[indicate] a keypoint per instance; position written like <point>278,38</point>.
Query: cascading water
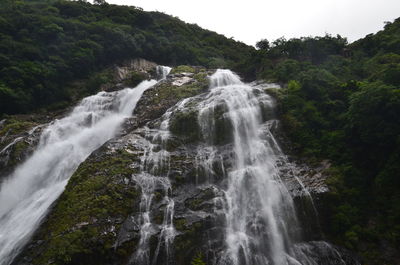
<point>215,194</point>
<point>259,210</point>
<point>239,156</point>
<point>261,223</point>
<point>29,191</point>
<point>155,166</point>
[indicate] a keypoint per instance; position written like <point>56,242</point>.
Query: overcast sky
<point>252,20</point>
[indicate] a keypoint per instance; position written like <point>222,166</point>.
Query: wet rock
<point>99,217</point>
<point>129,74</point>
<point>323,253</point>
<point>2,122</point>
<point>18,140</point>
<point>184,124</point>
<point>157,100</point>
<point>303,180</point>
<point>124,71</point>
<point>93,209</point>
<point>182,81</point>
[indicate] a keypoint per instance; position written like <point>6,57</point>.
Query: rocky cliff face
<point>154,172</point>
<point>20,134</point>
<point>18,139</point>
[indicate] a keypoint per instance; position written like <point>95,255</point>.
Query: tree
<point>263,45</point>
<point>99,2</point>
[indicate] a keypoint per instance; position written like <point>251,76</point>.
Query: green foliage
<point>373,115</point>
<point>15,127</point>
<point>263,45</point>
<point>184,124</point>
<point>182,69</point>
<point>339,101</point>
<point>342,102</point>
<point>198,259</point>
<point>47,45</point>
<point>135,78</point>
<point>78,229</point>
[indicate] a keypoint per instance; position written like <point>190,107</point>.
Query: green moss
<point>195,203</point>
<point>134,78</point>
<point>183,69</point>
<point>158,219</point>
<point>184,124</point>
<point>78,227</point>
<point>17,153</point>
<point>198,259</point>
<point>188,241</point>
<point>167,91</point>
<point>171,144</point>
<point>223,126</point>
<point>15,127</point>
<point>179,180</point>
<point>201,77</point>
<point>158,196</point>
<point>93,84</point>
<point>276,93</point>
<point>180,224</point>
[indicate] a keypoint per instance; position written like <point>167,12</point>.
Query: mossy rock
<point>157,100</point>
<point>201,77</point>
<point>12,129</point>
<point>167,91</point>
<point>223,126</point>
<point>189,241</point>
<point>198,202</point>
<point>198,259</point>
<point>183,69</point>
<point>82,227</point>
<point>15,127</point>
<point>134,78</point>
<point>184,124</point>
<point>18,153</point>
<point>103,80</point>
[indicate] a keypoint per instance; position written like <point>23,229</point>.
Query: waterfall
<point>162,72</point>
<point>27,194</point>
<point>154,168</point>
<point>222,187</point>
<point>261,225</point>
<point>258,208</point>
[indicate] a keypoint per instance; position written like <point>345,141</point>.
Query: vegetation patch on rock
<point>83,225</point>
<point>184,124</point>
<point>155,101</point>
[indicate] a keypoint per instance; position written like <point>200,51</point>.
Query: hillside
<point>169,163</point>
<point>47,45</point>
<point>342,102</point>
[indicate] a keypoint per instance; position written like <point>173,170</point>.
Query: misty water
<point>27,194</point>
<point>260,221</point>
<point>261,224</point>
<point>259,210</point>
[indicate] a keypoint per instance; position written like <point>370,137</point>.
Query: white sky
<point>252,20</point>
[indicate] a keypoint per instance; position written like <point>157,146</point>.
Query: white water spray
<point>259,210</point>
<point>27,194</point>
<point>155,166</point>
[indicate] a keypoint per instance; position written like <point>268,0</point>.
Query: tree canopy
<point>341,102</point>
<point>46,44</point>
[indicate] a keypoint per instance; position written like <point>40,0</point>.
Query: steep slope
<point>342,102</point>
<point>197,177</point>
<point>339,103</point>
<point>46,45</point>
<point>28,192</point>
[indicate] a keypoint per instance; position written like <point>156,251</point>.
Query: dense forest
<point>342,102</point>
<point>45,45</point>
<point>339,101</point>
